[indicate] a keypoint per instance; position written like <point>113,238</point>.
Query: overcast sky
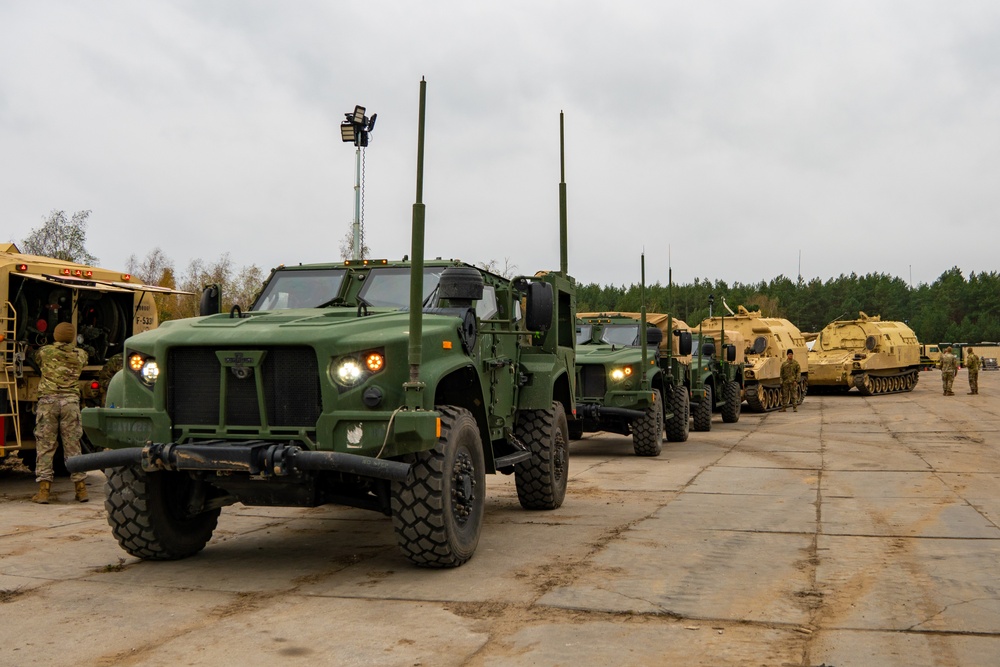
<point>865,135</point>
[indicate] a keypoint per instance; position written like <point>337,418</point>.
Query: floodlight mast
<point>356,129</point>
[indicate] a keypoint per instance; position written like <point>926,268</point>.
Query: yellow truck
<point>36,294</point>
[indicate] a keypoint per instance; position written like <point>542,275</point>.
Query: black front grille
<point>289,378</point>
<point>593,380</point>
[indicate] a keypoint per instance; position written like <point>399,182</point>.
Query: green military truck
<point>390,386</point>
<point>624,387</point>
<point>715,378</point>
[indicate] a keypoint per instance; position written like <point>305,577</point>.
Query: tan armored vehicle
<point>876,357</point>
<point>767,340</point>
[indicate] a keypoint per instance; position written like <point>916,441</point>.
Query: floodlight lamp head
<point>359,115</point>
<point>347,132</point>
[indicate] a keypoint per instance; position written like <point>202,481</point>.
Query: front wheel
<point>678,425</point>
<point>647,432</point>
<point>703,411</point>
<point>150,517</point>
<point>437,512</point>
<point>541,480</point>
<point>733,402</point>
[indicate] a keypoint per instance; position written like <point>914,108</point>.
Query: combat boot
<point>42,497</point>
<point>81,492</point>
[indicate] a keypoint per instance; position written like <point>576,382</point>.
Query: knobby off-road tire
<point>702,411</point>
<point>647,433</point>
<point>149,517</point>
<point>438,512</point>
<point>541,480</point>
<point>731,408</point>
<point>678,425</point>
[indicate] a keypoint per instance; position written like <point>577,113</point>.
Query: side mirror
<point>684,343</point>
<point>653,337</point>
<point>730,353</point>
<point>708,349</point>
<point>538,315</point>
<point>211,300</point>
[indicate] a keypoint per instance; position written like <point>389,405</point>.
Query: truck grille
<point>289,379</point>
<point>593,380</point>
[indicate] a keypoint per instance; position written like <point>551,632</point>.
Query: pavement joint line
<point>947,607</point>
<point>892,536</point>
<point>813,559</point>
<point>937,474</point>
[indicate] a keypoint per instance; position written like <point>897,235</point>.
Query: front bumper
<point>256,458</point>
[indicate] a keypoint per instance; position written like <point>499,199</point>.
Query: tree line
<point>65,237</point>
<point>951,309</point>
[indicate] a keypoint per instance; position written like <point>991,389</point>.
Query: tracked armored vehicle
<point>389,386</point>
<point>630,383</point>
<point>766,342</point>
<point>873,356</point>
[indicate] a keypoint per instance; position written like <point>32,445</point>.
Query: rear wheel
<point>702,411</point>
<point>680,411</point>
<point>437,512</point>
<point>647,432</point>
<point>541,480</point>
<point>731,408</point>
<point>150,517</point>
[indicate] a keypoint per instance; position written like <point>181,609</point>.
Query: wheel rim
<point>463,488</point>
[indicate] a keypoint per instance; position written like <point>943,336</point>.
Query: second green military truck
<point>616,392</point>
<point>390,386</point>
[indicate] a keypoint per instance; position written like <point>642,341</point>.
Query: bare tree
<point>238,287</point>
<point>347,246</point>
<point>62,238</point>
<point>493,266</point>
<point>152,268</point>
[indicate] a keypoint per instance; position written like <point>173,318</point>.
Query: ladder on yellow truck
<point>10,371</point>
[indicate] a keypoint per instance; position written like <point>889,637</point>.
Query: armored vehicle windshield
<point>625,335</point>
<point>307,288</point>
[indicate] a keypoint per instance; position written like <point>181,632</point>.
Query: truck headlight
<point>352,370</point>
<point>619,374</point>
<point>150,371</point>
<point>144,367</point>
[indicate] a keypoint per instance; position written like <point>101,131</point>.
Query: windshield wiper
<point>335,301</point>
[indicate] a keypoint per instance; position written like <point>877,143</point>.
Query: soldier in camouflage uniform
<point>973,363</point>
<point>58,410</point>
<point>791,374</point>
<point>112,366</point>
<point>949,366</point>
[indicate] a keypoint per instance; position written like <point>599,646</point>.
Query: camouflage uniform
<point>973,363</point>
<point>58,409</point>
<point>949,366</point>
<point>791,374</point>
<point>112,366</point>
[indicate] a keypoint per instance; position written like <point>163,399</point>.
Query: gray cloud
<point>737,134</point>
